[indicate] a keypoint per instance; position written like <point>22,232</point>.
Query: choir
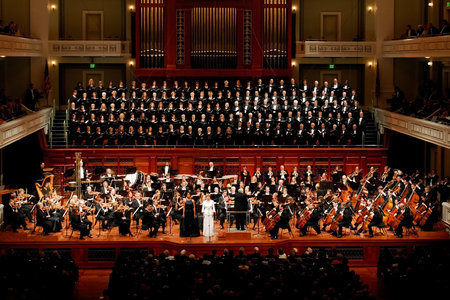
<point>262,114</point>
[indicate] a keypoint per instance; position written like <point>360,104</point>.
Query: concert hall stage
<point>101,252</point>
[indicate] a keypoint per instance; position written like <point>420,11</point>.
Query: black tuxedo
<point>240,204</point>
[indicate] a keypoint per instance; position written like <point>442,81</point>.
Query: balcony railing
<point>15,46</point>
<point>335,49</point>
<point>437,46</point>
<point>14,130</point>
<point>89,48</point>
<point>431,132</point>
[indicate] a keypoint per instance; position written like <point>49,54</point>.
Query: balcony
<point>15,46</point>
<point>431,132</point>
<point>14,130</point>
<point>335,49</point>
<point>81,48</point>
<point>437,46</point>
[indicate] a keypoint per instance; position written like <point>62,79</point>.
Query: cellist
<point>283,222</point>
<point>313,220</point>
<point>406,220</point>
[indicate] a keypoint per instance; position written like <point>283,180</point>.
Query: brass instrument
<point>39,187</point>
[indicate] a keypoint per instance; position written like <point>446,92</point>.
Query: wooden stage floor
<point>362,250</point>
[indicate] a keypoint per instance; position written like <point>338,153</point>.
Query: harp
<point>40,187</point>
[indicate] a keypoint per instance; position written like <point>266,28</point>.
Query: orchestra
<point>270,198</point>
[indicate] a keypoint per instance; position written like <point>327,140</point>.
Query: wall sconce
<point>53,7</point>
<point>370,64</point>
<point>430,4</point>
<point>370,8</point>
<point>293,64</point>
<point>430,63</point>
<point>294,8</point>
<point>53,63</point>
<point>131,8</point>
<point>131,63</point>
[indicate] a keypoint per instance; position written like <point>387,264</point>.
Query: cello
<point>273,221</point>
<point>419,214</point>
<point>303,218</point>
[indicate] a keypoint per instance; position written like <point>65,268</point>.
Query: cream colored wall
<point>407,12</point>
<point>112,17</point>
<point>70,74</point>
<point>15,76</point>
<point>311,17</point>
<point>351,72</point>
<point>409,76</point>
<point>17,11</point>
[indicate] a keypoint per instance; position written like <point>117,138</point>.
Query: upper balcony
<point>437,46</point>
<point>17,129</point>
<point>15,46</point>
<point>432,132</point>
<point>335,49</point>
<point>84,48</point>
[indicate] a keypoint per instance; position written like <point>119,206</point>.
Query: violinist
<point>13,215</point>
<point>104,212</point>
<point>122,217</point>
<point>84,210</point>
<point>105,189</point>
<point>313,221</point>
<point>42,219</point>
<point>54,214</point>
<point>89,195</point>
<point>25,204</point>
<point>77,223</point>
<point>406,220</point>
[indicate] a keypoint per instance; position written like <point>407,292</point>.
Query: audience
<point>9,109</point>
<point>429,105</point>
<point>421,274</point>
<point>265,114</point>
<point>277,275</point>
<point>427,31</point>
<point>45,276</point>
<point>10,29</point>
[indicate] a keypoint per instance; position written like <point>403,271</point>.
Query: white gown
<point>208,217</point>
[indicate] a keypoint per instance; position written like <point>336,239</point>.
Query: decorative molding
<point>438,46</point>
<point>428,131</point>
<point>247,37</point>
<point>335,49</point>
<point>446,213</point>
<point>180,37</point>
<point>89,48</point>
<point>14,46</point>
<point>14,130</point>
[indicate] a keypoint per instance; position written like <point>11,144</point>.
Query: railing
<point>15,46</point>
<point>14,130</point>
<point>418,47</point>
<point>424,130</point>
<point>89,48</point>
<point>335,49</point>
